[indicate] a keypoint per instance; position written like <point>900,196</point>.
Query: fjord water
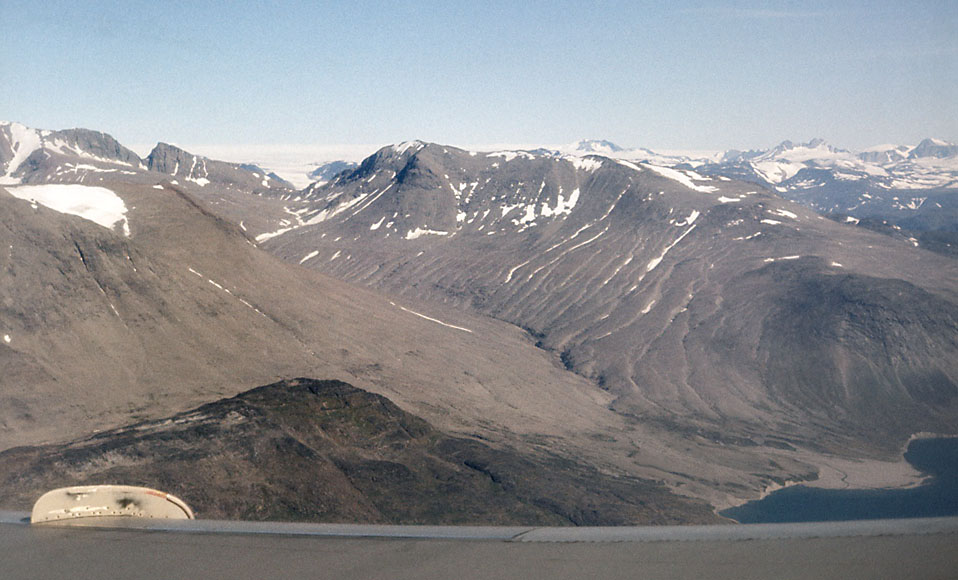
<point>938,496</point>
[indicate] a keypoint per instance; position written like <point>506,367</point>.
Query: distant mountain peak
<point>785,145</point>
<point>595,146</point>
<point>934,148</point>
<point>162,147</point>
<point>326,171</point>
<point>180,163</point>
<point>816,143</point>
<point>24,149</point>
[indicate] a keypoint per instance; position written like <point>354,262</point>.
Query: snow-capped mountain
<point>903,185</point>
<point>172,160</point>
<point>681,294</point>
<point>596,147</point>
<point>83,156</point>
<point>80,156</point>
<point>637,154</point>
<point>326,171</point>
<point>930,164</point>
<point>934,148</point>
<point>26,152</point>
<point>911,186</point>
<point>933,163</point>
<point>907,186</point>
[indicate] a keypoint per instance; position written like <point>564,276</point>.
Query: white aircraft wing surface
<point>164,549</point>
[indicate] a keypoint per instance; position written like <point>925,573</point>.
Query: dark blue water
<point>937,497</point>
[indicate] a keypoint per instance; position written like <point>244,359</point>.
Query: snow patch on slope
<point>682,178</point>
<point>96,204</point>
<point>655,262</point>
<point>562,207</point>
<point>585,163</point>
<point>309,256</point>
<point>407,145</point>
<point>25,141</point>
<point>429,318</point>
<point>419,232</point>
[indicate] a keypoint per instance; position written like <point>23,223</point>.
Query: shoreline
<point>926,435</point>
<point>848,474</point>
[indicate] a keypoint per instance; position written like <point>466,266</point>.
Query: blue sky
<point>696,75</point>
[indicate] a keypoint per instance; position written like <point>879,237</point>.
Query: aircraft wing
<point>163,549</point>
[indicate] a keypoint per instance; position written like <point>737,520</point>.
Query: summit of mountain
<point>598,146</point>
<point>181,164</point>
<point>30,155</point>
<point>936,148</point>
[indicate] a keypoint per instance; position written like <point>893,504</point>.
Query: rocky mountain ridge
<point>84,156</point>
<point>895,189</point>
<point>905,186</point>
<point>306,450</point>
<point>889,186</point>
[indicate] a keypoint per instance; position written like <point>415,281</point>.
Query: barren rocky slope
<point>103,327</point>
<point>304,450</point>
